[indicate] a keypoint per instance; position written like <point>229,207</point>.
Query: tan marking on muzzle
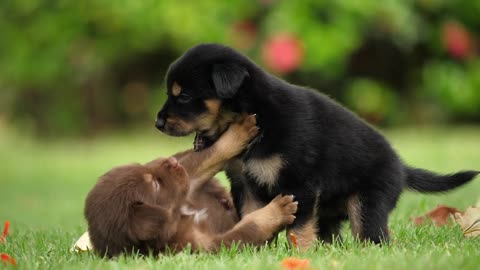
<point>214,120</point>
<point>177,124</point>
<point>213,106</point>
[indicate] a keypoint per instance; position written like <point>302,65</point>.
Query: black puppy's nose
<point>160,124</point>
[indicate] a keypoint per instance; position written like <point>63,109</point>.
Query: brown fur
<point>354,208</point>
<point>155,207</point>
<point>215,120</point>
<point>305,235</point>
<point>179,124</point>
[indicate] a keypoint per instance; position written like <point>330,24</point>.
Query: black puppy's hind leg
<point>368,214</point>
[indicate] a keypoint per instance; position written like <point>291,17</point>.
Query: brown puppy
<point>162,205</point>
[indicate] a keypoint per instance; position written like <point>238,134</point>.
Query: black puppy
<point>336,165</point>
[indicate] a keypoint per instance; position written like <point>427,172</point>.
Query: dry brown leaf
<point>469,221</point>
<point>440,216</point>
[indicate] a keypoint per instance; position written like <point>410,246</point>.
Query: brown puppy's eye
<point>184,98</point>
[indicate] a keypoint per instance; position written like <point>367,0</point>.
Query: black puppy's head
<point>199,84</point>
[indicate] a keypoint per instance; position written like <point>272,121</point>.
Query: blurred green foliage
<point>75,67</point>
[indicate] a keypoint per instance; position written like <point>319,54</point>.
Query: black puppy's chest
<point>257,176</point>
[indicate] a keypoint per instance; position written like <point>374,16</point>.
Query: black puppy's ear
<point>147,220</point>
<point>227,79</point>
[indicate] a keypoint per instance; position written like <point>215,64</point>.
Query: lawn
<point>43,186</point>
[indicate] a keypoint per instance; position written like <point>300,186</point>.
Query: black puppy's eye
<point>184,98</point>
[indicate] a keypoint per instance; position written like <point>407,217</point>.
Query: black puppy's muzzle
<point>161,121</point>
<point>160,124</point>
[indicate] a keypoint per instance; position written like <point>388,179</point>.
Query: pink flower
<point>457,40</point>
<point>283,53</point>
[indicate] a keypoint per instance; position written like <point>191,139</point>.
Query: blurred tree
<point>81,66</point>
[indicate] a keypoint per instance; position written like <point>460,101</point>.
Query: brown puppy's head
<point>133,207</point>
<point>201,87</point>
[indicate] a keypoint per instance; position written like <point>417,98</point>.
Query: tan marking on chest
<point>265,171</point>
<point>176,89</point>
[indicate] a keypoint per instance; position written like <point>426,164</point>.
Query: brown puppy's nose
<point>173,162</point>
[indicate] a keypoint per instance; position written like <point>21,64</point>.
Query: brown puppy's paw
<point>287,208</point>
<point>250,125</point>
<point>245,127</point>
<point>274,216</point>
<point>237,136</point>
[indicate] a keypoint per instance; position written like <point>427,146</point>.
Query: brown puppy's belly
<point>221,214</point>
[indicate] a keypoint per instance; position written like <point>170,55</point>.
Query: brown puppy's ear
<point>227,79</point>
<point>147,220</point>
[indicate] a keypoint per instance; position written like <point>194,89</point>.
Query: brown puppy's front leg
<point>259,226</point>
<point>203,165</point>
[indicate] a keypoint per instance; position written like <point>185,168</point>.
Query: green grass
<point>43,186</point>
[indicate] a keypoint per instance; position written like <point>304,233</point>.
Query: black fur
<point>227,79</point>
<point>329,153</point>
<point>425,181</point>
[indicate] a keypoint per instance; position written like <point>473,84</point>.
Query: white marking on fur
<point>265,170</point>
<point>198,215</point>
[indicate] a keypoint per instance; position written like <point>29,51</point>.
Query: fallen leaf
<point>293,263</point>
<point>6,259</point>
<point>293,239</point>
<point>439,216</point>
<point>3,237</point>
<point>469,221</point>
<point>82,244</point>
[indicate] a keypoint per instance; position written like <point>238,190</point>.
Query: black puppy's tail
<point>426,181</point>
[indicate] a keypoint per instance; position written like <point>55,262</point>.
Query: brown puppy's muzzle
<point>175,176</point>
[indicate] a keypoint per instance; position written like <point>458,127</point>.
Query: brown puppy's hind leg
<point>259,226</point>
